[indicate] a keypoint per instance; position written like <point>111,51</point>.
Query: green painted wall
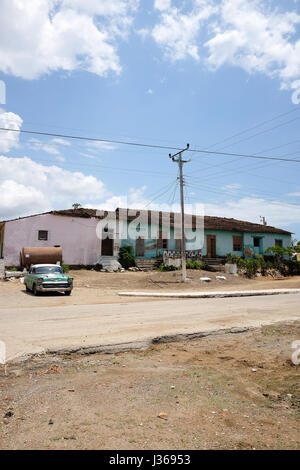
<point>224,241</point>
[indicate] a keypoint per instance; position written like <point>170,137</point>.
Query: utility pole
<point>183,247</point>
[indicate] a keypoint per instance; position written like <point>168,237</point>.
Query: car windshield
<point>48,270</point>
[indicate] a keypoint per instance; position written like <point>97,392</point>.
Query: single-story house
<point>88,235</point>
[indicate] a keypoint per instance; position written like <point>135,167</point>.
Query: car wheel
<point>68,292</point>
<point>34,291</point>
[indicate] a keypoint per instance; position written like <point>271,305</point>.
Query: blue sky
<point>159,72</point>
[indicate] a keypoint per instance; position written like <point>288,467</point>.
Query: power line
<point>254,127</point>
<point>208,189</point>
<point>137,144</point>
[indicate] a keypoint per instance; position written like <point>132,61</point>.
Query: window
<point>162,242</point>
<point>43,235</point>
<point>177,244</point>
<point>278,243</point>
<point>48,270</point>
<point>237,243</point>
<point>256,242</point>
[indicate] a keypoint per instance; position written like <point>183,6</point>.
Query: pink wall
<point>76,235</point>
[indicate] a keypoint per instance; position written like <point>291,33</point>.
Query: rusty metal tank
<point>40,255</point>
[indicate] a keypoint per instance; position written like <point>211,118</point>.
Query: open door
<point>211,246</point>
<point>107,247</point>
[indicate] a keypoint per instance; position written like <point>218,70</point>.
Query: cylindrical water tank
<point>41,255</point>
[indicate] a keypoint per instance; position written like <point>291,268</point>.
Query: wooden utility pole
<point>181,180</point>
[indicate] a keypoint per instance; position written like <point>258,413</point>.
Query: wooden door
<point>211,246</point>
<point>107,248</point>
<point>139,247</point>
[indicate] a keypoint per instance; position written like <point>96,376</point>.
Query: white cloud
<point>231,187</point>
<point>60,141</point>
<point>36,144</point>
<point>28,187</point>
<point>9,139</point>
<point>178,31</point>
<point>251,36</point>
<point>277,213</point>
<point>162,4</point>
<point>100,146</point>
<point>149,91</point>
<point>243,33</point>
<point>41,36</point>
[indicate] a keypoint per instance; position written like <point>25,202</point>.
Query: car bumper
<point>53,289</point>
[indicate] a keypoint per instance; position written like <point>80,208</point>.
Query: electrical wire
<point>137,144</point>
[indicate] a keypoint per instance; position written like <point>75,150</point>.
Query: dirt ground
<point>237,391</point>
<point>91,287</point>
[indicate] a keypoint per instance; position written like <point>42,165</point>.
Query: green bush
<point>279,252</point>
<point>195,265</point>
<point>163,268</point>
<point>232,259</point>
<point>251,266</point>
<point>126,257</point>
<point>65,267</point>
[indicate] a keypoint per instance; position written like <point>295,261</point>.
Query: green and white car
<point>47,278</point>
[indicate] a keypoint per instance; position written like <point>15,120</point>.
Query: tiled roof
<point>210,222</point>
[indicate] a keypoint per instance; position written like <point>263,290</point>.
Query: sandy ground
<point>91,287</point>
<point>238,391</point>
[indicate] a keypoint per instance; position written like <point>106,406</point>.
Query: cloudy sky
<point>223,75</point>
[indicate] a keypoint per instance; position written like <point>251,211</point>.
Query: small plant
<point>126,257</point>
<point>65,267</point>
<point>195,265</point>
<point>232,259</point>
<point>164,268</point>
<point>251,266</point>
<point>280,253</point>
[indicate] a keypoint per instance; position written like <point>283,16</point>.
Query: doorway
<point>211,246</point>
<point>107,248</point>
<point>139,246</point>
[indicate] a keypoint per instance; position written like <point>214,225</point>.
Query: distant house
<point>87,236</point>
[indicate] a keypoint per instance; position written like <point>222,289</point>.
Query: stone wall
<point>2,272</point>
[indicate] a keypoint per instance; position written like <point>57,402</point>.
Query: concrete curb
<point>210,295</point>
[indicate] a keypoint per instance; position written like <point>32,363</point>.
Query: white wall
<point>76,235</point>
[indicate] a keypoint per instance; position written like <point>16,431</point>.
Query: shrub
<point>251,266</point>
<point>232,259</point>
<point>279,252</point>
<point>126,257</point>
<point>195,264</point>
<point>65,267</point>
<point>163,268</point>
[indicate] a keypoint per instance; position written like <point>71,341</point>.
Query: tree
<point>280,253</point>
<point>76,205</point>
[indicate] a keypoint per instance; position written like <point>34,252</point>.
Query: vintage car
<point>47,278</point>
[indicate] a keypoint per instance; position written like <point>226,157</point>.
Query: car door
<point>30,278</point>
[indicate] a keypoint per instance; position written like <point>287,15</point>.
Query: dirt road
<point>91,287</point>
<point>233,391</point>
<point>36,330</point>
